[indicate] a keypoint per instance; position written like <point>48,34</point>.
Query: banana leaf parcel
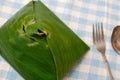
<point>38,45</point>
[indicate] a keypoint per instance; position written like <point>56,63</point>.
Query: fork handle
<point>108,67</point>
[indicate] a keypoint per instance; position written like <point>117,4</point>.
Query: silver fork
<point>99,42</point>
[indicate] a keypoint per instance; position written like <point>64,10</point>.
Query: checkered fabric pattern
<point>79,15</point>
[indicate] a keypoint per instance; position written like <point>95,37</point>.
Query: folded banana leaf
<point>38,45</point>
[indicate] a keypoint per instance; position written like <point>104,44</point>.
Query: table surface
<point>79,15</point>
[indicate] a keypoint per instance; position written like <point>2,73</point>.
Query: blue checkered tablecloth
<point>79,15</point>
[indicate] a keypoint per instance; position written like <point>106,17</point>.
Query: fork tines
<point>98,33</point>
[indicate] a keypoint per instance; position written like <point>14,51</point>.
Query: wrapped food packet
<point>38,45</point>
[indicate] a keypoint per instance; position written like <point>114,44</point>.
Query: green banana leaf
<point>38,45</point>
